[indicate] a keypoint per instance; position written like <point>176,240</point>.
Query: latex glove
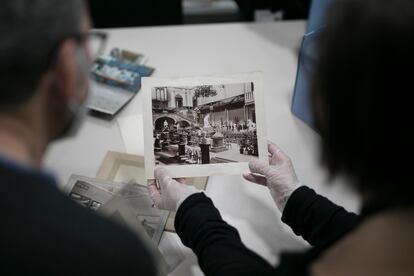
<point>278,175</point>
<point>170,193</point>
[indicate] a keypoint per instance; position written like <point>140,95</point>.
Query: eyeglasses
<point>95,42</point>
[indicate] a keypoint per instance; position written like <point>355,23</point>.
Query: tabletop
<point>210,50</point>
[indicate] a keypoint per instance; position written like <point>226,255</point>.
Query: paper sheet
<point>236,128</point>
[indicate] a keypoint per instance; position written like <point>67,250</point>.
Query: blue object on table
<point>317,14</point>
<point>301,103</point>
<point>131,81</point>
<point>115,81</point>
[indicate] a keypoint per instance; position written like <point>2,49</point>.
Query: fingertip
<point>277,152</point>
<point>181,180</point>
<point>160,172</point>
<point>273,148</point>
<point>253,163</point>
<point>249,177</point>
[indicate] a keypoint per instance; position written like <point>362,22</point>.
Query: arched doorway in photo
<point>164,122</point>
<point>184,124</point>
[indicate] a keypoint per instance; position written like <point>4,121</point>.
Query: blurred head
<point>44,60</point>
<point>361,93</point>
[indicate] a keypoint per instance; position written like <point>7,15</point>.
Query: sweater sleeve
<point>315,218</point>
<point>217,245</point>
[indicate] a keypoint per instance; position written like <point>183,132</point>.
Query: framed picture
<point>128,168</point>
<point>122,167</point>
<point>202,126</point>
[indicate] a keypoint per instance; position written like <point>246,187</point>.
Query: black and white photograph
<point>206,124</point>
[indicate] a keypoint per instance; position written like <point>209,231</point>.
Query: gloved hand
<point>278,175</point>
<point>170,193</point>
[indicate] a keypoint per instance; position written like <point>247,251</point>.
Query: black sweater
<point>221,252</point>
<point>43,232</point>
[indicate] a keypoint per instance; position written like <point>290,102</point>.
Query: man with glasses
<point>45,53</point>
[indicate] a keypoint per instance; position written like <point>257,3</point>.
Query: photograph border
<point>206,169</point>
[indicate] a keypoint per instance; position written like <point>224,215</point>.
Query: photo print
<point>204,126</point>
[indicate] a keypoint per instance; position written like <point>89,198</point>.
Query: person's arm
<point>312,216</point>
<point>198,223</point>
<point>316,218</point>
<point>217,245</point>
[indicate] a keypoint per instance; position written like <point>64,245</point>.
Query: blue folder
<point>301,102</point>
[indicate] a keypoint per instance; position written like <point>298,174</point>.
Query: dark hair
<point>361,92</point>
<point>30,30</point>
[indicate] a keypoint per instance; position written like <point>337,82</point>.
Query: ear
<point>66,71</point>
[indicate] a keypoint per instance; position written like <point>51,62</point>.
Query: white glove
<point>170,193</point>
<point>278,175</point>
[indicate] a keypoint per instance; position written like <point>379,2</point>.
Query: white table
<point>220,49</point>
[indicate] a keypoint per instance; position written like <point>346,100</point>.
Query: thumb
<point>163,177</point>
<point>277,154</point>
<point>258,166</point>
